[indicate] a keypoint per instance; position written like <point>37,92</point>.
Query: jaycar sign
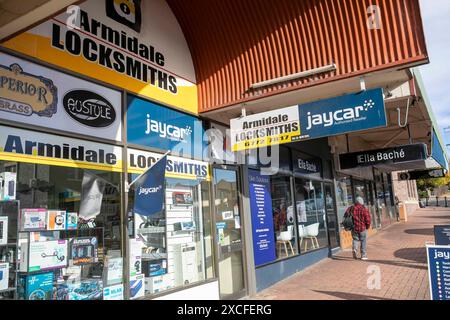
<point>353,112</point>
<point>36,95</point>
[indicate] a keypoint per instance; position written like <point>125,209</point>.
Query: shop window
<point>66,224</point>
<point>312,228</point>
<point>173,249</point>
<point>283,217</point>
<point>344,196</point>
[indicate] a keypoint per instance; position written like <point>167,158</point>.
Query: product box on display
<point>8,182</point>
<point>181,198</point>
<point>61,292</point>
<point>83,250</point>
<point>72,220</point>
<point>45,255</point>
<point>156,267</point>
<point>3,230</point>
<point>36,286</point>
<point>113,292</point>
<point>90,289</point>
<point>137,286</point>
<point>159,283</point>
<point>114,270</point>
<point>184,226</point>
<point>34,219</point>
<point>56,220</point>
<point>4,276</point>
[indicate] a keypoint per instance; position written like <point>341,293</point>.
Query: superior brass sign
<point>24,93</point>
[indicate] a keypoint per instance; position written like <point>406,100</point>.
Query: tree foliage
<point>429,184</point>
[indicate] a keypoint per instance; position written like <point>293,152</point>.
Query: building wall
<point>406,191</point>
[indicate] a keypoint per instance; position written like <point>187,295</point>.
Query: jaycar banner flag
<point>149,189</point>
<point>92,188</point>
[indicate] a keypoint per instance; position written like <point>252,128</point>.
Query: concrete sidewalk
<point>398,252</point>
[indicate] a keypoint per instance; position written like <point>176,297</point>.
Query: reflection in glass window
<point>344,196</point>
<point>283,217</point>
<point>310,215</point>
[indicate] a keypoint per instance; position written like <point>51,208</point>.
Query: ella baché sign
<point>118,42</point>
<point>353,112</point>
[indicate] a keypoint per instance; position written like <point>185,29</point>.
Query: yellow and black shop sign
<point>20,145</point>
<point>105,43</point>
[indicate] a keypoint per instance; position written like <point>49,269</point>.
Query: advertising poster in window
<point>106,41</point>
<point>262,218</point>
<point>40,96</point>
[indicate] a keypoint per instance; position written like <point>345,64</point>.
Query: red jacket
<point>361,218</point>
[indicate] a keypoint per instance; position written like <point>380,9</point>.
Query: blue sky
<point>436,21</point>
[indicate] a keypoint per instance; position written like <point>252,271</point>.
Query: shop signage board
<point>41,148</point>
<point>107,41</point>
<point>306,164</point>
<point>40,96</point>
<point>442,235</point>
<point>438,258</point>
<point>265,129</point>
<point>114,292</point>
<point>399,154</point>
<point>423,174</point>
<point>152,125</point>
<point>324,118</point>
<point>262,218</point>
<point>176,167</point>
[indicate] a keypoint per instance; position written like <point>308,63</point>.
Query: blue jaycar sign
<point>439,271</point>
<point>153,125</point>
<point>353,112</point>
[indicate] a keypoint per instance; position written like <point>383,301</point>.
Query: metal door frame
<point>238,171</point>
<point>333,195</point>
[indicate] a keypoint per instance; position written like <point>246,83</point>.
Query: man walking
<point>361,223</point>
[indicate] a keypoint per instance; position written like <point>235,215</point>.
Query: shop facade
<point>92,97</point>
<point>88,104</point>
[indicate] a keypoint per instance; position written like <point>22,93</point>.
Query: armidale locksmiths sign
<point>119,42</point>
<point>29,146</point>
<point>352,112</point>
<point>265,129</point>
<point>36,95</point>
<point>176,167</point>
<point>411,152</point>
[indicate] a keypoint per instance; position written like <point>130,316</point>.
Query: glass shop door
<point>229,247</point>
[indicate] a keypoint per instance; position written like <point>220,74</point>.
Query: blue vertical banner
<point>149,189</point>
<point>439,271</point>
<point>262,218</point>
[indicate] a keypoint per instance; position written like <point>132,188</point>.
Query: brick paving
<point>398,252</point>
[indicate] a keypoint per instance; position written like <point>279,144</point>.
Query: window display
<point>60,255</point>
<point>312,228</point>
<point>168,248</point>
